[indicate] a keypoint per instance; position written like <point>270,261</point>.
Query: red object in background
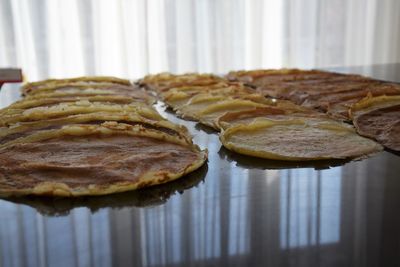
<point>10,76</point>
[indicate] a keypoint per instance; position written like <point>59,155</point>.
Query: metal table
<point>236,211</point>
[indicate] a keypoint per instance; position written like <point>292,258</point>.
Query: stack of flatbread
<point>253,125</point>
<point>372,105</point>
<point>89,136</point>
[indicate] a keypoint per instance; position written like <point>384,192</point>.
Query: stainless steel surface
<point>236,211</point>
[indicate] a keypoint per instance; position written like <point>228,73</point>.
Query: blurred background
<point>130,38</point>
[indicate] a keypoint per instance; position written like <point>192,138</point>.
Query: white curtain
<point>130,38</point>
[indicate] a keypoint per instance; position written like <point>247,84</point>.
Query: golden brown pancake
<point>178,96</point>
<point>12,116</point>
<point>299,139</point>
<point>24,129</point>
<point>79,160</point>
<point>379,118</point>
<point>165,81</point>
<point>135,94</point>
<point>50,100</point>
<point>270,112</point>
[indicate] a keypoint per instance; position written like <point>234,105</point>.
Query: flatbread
<point>165,81</point>
<point>79,160</point>
<point>12,116</point>
<point>87,81</point>
<point>50,100</point>
<point>179,96</point>
<point>24,129</point>
<point>300,139</point>
<point>90,92</point>
<point>379,118</point>
<point>210,114</point>
<point>270,112</point>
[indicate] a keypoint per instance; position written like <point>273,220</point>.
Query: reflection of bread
<point>149,196</point>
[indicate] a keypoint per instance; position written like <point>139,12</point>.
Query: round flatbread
<point>298,140</point>
<point>79,160</point>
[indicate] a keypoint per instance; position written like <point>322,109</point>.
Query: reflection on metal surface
<point>310,205</point>
<point>239,230</point>
<point>28,239</point>
<point>156,195</point>
<point>259,163</point>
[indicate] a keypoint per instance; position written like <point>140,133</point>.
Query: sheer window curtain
<point>130,38</point>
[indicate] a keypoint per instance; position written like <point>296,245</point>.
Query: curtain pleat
<point>131,38</point>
